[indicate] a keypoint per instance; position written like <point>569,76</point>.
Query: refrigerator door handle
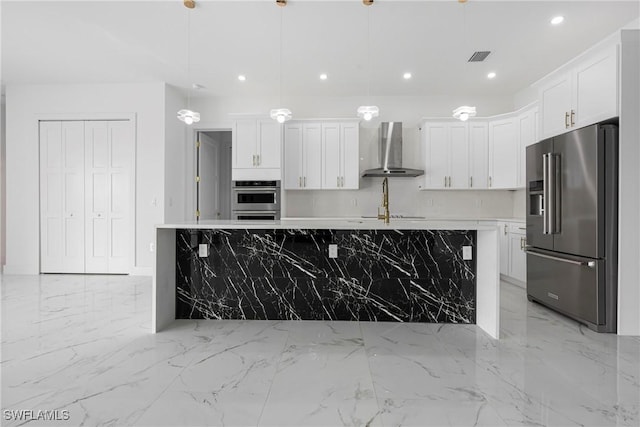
<point>554,194</point>
<point>590,264</point>
<point>545,193</point>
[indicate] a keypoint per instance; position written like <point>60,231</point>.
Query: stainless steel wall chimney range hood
<point>390,154</point>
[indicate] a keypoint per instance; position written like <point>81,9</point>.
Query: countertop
<point>336,224</point>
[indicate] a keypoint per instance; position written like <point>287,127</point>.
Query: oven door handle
<point>256,190</point>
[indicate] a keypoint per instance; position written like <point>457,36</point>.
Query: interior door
<point>97,197</point>
<point>121,148</point>
<point>62,197</point>
<point>209,185</point>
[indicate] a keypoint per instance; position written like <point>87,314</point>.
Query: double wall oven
<point>255,200</point>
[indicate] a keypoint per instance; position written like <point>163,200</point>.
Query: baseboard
<point>141,271</point>
<point>18,270</point>
<point>513,281</point>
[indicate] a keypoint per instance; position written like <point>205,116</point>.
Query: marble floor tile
<point>82,344</point>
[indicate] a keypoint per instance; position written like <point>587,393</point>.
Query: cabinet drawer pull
<point>566,120</point>
<point>573,118</point>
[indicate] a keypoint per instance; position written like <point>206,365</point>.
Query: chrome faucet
<point>385,201</point>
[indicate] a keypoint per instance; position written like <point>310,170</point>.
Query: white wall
<point>405,197</point>
<point>3,186</point>
<point>629,190</point>
<point>25,104</point>
<point>175,178</point>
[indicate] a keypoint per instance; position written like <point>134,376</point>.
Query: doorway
<point>213,169</point>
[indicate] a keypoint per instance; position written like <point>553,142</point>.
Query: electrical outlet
<point>203,250</point>
<point>152,247</point>
<point>354,202</point>
<point>467,253</point>
<point>333,251</point>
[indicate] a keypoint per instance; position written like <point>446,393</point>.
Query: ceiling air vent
<point>479,56</point>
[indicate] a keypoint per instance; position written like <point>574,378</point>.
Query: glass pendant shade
<point>368,112</point>
<point>188,116</point>
<point>463,113</point>
<point>281,115</point>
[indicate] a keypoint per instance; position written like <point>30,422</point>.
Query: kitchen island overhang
<point>407,270</point>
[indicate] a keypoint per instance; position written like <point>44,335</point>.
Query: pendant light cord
<point>280,62</point>
<point>188,60</point>
<point>369,54</point>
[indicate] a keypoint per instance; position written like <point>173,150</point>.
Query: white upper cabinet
<point>302,152</point>
<point>478,155</point>
<point>503,154</point>
<point>447,155</point>
<point>321,155</point>
<point>527,135</point>
<point>340,156</point>
<point>582,95</point>
<point>256,150</point>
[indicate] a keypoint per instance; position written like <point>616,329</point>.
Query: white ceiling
<point>141,41</point>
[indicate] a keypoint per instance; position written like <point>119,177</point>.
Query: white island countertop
<point>334,224</point>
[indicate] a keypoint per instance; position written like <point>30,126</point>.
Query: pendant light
<point>281,115</point>
<point>367,112</point>
<point>187,115</point>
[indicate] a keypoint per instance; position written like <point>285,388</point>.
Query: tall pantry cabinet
<point>86,196</point>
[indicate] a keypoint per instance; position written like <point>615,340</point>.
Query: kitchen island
<point>338,269</point>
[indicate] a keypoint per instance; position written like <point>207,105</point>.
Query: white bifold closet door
<point>86,196</point>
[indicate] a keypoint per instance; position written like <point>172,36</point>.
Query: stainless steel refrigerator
<point>572,224</point>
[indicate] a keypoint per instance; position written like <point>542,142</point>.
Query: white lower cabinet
<point>321,155</point>
<point>86,196</point>
<point>513,259</point>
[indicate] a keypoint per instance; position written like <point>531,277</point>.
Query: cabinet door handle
<point>470,182</point>
<point>505,229</point>
<point>490,182</point>
<point>337,181</point>
<point>522,243</point>
<point>573,118</point>
<point>304,181</point>
<point>445,181</point>
<point>566,120</point>
<point>299,181</point>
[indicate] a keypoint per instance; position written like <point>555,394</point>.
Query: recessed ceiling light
<point>557,20</point>
<point>491,75</point>
<point>406,76</point>
<point>242,77</point>
<point>323,76</point>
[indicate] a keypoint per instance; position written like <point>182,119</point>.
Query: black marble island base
<point>287,274</point>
